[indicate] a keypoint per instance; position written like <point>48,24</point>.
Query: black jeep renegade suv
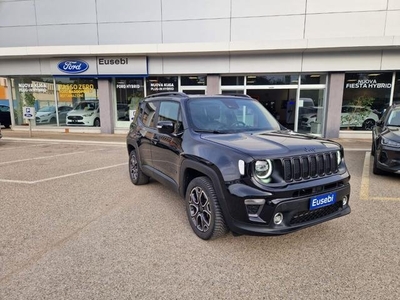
<point>235,165</point>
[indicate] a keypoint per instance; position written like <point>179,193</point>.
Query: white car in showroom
<point>85,113</point>
<point>351,117</point>
<point>47,114</point>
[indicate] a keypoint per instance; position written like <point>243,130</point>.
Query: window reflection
<point>365,97</point>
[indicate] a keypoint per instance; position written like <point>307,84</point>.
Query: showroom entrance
<point>281,103</point>
<point>297,101</point>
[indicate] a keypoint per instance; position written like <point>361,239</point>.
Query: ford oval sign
<point>73,66</point>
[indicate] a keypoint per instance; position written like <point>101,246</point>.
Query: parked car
<point>5,116</point>
<point>47,114</point>
<point>358,116</point>
<point>85,113</point>
<point>386,142</point>
<point>351,116</point>
<point>236,167</point>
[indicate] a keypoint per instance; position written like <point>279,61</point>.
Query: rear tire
<point>203,210</point>
<point>135,172</point>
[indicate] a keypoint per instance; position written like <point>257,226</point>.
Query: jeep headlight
<point>390,143</point>
<point>263,170</point>
<point>338,157</point>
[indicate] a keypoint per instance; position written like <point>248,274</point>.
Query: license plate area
<point>322,200</point>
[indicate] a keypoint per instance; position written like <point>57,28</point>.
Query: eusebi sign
<point>126,65</point>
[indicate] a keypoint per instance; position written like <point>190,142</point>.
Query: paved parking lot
<point>74,227</point>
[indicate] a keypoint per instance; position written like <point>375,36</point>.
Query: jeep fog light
<point>278,218</point>
<point>344,200</point>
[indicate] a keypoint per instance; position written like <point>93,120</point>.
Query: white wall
<point>105,22</point>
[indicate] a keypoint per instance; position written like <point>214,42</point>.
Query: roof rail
<point>179,94</point>
<point>236,95</point>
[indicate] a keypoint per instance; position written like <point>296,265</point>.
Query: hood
<point>44,113</point>
<point>276,143</point>
<point>392,133</point>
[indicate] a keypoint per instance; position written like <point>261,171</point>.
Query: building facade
<point>329,68</point>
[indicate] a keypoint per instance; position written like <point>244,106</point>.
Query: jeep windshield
<point>226,115</point>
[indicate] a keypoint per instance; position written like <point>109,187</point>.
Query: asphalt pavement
<point>72,226</point>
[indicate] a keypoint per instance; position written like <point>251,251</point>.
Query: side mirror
<point>379,123</point>
<point>166,127</point>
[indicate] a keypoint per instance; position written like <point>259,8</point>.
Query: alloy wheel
<point>133,166</point>
<point>200,209</point>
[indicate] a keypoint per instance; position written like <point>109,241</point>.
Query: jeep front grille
<point>310,166</point>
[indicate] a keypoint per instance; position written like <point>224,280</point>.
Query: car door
<point>167,147</point>
<point>145,133</point>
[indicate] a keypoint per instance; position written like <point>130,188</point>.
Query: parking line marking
<point>364,189</point>
<point>385,198</point>
<point>62,176</point>
<point>45,157</point>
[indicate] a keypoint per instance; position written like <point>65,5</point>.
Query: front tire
<point>96,122</point>
<point>368,124</point>
<point>135,172</point>
<point>203,210</point>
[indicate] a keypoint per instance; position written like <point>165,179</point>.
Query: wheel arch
<point>191,169</point>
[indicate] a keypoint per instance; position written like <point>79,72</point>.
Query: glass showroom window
<point>365,97</point>
<point>128,93</point>
<point>272,79</point>
<point>193,84</point>
<point>311,108</point>
<point>232,85</point>
<point>79,100</point>
<point>161,84</point>
<point>37,92</point>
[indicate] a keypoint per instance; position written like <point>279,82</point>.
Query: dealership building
<point>329,68</point>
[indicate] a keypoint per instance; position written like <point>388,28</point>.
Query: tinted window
<point>148,113</point>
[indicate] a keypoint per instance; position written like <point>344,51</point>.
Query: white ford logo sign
<point>73,66</point>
